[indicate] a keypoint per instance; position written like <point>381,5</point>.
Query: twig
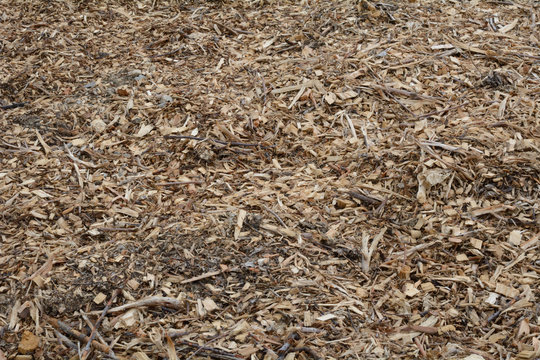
<point>206,345</point>
<point>351,125</point>
<point>410,94</point>
<point>308,351</point>
<point>288,348</point>
<point>420,347</point>
<point>479,352</point>
<point>457,168</point>
<point>307,329</point>
<point>441,111</point>
<point>368,199</point>
<point>118,229</point>
<point>13,106</point>
<point>200,277</point>
<point>74,333</point>
<point>367,251</point>
<point>153,45</point>
<point>377,188</point>
<point>62,339</point>
<point>170,183</point>
<point>212,352</point>
<point>261,344</point>
<point>421,329</point>
<point>18,148</point>
<point>151,301</point>
<point>98,335</point>
<point>288,345</point>
<point>166,54</point>
<point>441,145</point>
<point>228,143</point>
<point>286,89</point>
<point>349,317</point>
<point>231,30</point>
<point>275,215</point>
<point>298,95</point>
<point>72,157</point>
<point>86,349</point>
<point>495,315</point>
<point>173,334</point>
<point>400,103</point>
<point>264,91</point>
<point>44,269</point>
<point>284,350</point>
<point>294,46</point>
<point>410,251</point>
<point>46,147</point>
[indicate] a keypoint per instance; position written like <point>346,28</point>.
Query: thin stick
<point>275,215</point>
<point>479,352</point>
<point>410,94</point>
<point>86,350</point>
<point>206,345</point>
<point>351,125</point>
<point>264,91</point>
<point>62,339</point>
<point>442,111</point>
<point>495,315</point>
<point>229,143</point>
<point>367,199</point>
<point>44,269</point>
<point>118,229</point>
<point>420,347</point>
<point>72,157</point>
<point>74,333</point>
<point>151,301</point>
<point>215,351</point>
<point>173,334</point>
<point>419,328</point>
<point>211,355</point>
<point>13,106</point>
<point>401,104</point>
<point>170,183</point>
<point>98,335</point>
<point>376,188</point>
<point>308,351</point>
<point>46,147</point>
<point>167,53</point>
<point>457,168</point>
<point>441,145</point>
<point>231,30</point>
<point>200,277</point>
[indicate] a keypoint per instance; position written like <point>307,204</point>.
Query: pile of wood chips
<point>269,179</point>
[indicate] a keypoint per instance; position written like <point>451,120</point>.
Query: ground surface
<point>293,180</point>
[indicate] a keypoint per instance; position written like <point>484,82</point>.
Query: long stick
<point>86,350</point>
<point>74,333</point>
<point>151,301</point>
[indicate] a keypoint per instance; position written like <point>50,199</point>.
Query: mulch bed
<point>269,179</point>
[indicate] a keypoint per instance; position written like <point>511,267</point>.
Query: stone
<point>29,343</point>
<point>98,125</point>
